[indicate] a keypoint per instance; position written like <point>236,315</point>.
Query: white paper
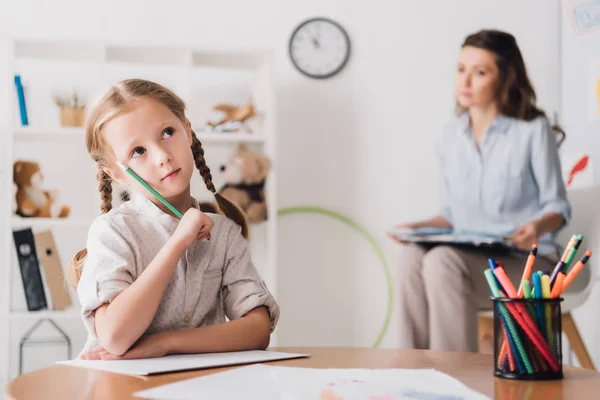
<point>266,382</point>
<point>181,362</point>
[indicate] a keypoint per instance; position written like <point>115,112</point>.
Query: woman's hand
<point>526,236</point>
<point>436,222</point>
<point>408,225</point>
<point>149,346</point>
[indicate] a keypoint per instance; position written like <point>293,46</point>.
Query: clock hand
<point>316,43</point>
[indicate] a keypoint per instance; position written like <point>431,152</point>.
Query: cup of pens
<point>527,321</point>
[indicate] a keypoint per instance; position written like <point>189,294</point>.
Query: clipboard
<point>442,236</point>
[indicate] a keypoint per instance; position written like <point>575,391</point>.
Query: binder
<point>53,271</point>
<point>30,270</point>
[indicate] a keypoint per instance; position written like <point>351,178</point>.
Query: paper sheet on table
<point>266,382</point>
<point>182,362</point>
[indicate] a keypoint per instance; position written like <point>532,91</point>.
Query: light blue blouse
<point>514,177</point>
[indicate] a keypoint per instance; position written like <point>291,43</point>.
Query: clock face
<point>319,48</point>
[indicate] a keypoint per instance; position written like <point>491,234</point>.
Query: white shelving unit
<point>202,78</point>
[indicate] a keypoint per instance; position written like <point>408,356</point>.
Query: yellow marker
<point>547,310</point>
<point>545,286</point>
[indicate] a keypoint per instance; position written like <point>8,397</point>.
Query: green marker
<point>150,189</point>
<point>571,254</point>
<point>526,289</point>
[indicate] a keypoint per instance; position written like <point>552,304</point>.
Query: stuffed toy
<point>245,175</point>
<point>31,200</point>
<point>235,118</point>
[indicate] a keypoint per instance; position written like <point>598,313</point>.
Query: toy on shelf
<point>235,119</point>
<point>245,175</point>
<point>31,199</point>
<point>72,110</point>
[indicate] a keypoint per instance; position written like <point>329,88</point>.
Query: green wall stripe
<point>360,229</point>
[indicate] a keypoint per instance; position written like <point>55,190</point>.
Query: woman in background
<point>501,175</point>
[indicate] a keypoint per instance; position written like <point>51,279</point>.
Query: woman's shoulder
<point>454,126</point>
<point>539,124</point>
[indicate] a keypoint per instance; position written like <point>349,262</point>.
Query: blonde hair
<point>117,101</point>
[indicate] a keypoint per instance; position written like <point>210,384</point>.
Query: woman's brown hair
<point>117,101</point>
<point>516,95</point>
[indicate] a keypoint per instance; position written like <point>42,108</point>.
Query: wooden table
<point>475,370</point>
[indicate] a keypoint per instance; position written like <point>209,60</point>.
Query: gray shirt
<point>512,178</point>
<point>213,280</point>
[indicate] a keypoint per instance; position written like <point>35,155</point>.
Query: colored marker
<point>528,268</point>
<point>575,270</point>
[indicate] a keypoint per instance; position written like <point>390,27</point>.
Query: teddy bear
<point>245,175</point>
<point>31,200</point>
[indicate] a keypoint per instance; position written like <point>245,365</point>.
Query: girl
<point>500,174</point>
<point>148,283</point>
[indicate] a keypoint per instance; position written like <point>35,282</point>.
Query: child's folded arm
<point>117,306</point>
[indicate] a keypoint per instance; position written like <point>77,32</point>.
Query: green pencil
<point>150,189</point>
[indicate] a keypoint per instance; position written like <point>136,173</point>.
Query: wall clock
<point>319,48</point>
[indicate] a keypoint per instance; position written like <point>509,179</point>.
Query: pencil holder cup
<point>527,338</point>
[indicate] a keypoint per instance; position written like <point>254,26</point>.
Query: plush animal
<point>234,118</point>
<point>31,200</point>
<point>245,175</point>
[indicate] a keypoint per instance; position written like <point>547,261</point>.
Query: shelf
<point>45,223</point>
<point>34,133</point>
<point>69,313</point>
<point>218,59</point>
<point>57,133</point>
<point>59,50</point>
<point>217,137</point>
<point>165,56</point>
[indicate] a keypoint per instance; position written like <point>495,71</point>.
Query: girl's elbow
<point>265,336</point>
<point>114,343</point>
<point>264,341</point>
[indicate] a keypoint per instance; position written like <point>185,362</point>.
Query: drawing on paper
<point>358,389</point>
<point>584,15</point>
<point>578,171</point>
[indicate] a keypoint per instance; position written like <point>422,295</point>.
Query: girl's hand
<point>195,225</point>
<point>526,236</point>
<point>150,346</point>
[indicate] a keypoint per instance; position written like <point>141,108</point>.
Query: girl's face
<point>153,142</point>
<point>476,78</point>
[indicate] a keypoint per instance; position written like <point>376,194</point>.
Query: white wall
<point>360,143</point>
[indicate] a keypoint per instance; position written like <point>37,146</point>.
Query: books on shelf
<point>41,271</point>
<point>439,236</point>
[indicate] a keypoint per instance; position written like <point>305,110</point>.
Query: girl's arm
<point>251,332</point>
<point>120,323</point>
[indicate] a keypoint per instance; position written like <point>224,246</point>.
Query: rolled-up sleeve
<point>546,167</point>
<point>243,289</point>
<point>108,270</point>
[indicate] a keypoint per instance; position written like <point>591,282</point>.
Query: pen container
<point>527,338</point>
